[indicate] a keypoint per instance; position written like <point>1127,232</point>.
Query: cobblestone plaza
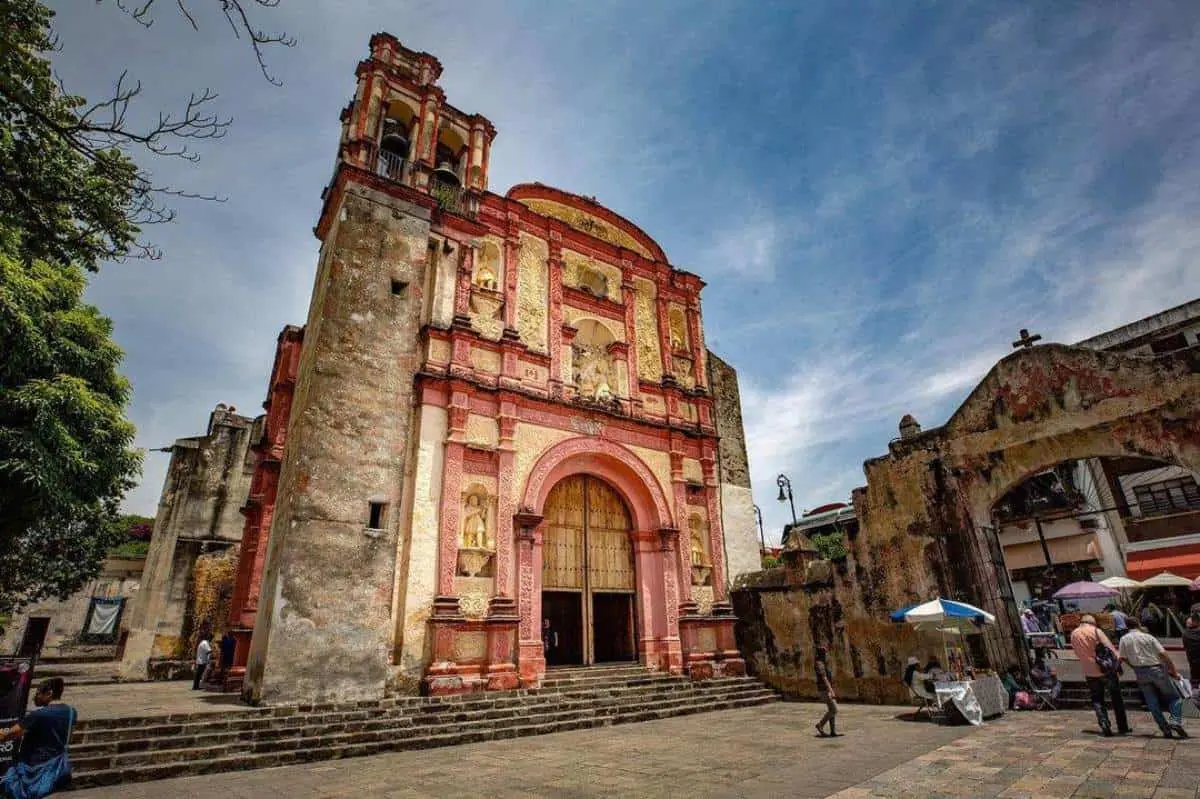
<point>765,751</point>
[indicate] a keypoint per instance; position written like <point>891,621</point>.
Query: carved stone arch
<point>611,462</point>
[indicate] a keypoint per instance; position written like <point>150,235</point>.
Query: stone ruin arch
<point>1035,408</point>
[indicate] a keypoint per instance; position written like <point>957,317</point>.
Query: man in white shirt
<point>203,656</point>
<point>1155,671</point>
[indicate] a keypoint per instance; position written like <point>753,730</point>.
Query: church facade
<point>499,444</point>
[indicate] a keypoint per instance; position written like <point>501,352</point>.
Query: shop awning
<point>1183,559</point>
<point>1068,549</point>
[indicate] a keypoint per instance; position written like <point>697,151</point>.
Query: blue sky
<point>879,194</point>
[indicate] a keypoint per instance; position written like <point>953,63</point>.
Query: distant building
<point>1108,516</point>
<point>836,516</point>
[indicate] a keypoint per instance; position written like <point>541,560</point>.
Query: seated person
<point>934,673</point>
<point>1045,678</point>
<point>1013,683</point>
<point>912,668</point>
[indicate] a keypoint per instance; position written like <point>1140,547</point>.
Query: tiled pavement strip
<point>768,751</point>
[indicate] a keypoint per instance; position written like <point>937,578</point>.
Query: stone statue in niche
<point>678,332</point>
<point>475,531</point>
<point>593,372</point>
<point>701,568</point>
<point>485,278</point>
<point>475,549</point>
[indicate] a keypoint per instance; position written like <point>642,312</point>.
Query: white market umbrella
<point>943,612</point>
<point>1120,583</point>
<point>1166,580</point>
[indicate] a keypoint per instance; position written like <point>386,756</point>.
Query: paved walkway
<point>767,751</point>
<point>148,699</point>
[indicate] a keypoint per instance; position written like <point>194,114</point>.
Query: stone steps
<point>111,751</point>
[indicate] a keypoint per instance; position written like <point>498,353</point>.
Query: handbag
<point>1184,687</point>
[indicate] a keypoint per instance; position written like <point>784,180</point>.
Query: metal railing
<point>451,198</point>
<point>391,165</point>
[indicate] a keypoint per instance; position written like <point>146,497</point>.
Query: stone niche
<point>487,295</point>
<point>477,541</point>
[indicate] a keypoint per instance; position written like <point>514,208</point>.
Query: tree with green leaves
<point>66,448</point>
<point>73,196</point>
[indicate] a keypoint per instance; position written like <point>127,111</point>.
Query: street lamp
<point>785,492</point>
<point>761,538</point>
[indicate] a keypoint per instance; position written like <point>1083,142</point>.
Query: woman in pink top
<point>1086,639</point>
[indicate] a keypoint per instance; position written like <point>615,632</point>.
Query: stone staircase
<point>110,751</point>
<point>1075,695</point>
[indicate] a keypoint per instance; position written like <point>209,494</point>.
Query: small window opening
<point>378,515</point>
<point>398,287</point>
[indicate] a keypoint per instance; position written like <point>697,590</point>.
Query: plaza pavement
<point>769,751</point>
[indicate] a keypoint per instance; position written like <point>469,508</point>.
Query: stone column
<point>664,334</point>
<point>683,555</point>
<point>554,272</point>
<point>629,297</point>
<point>716,536</point>
<point>649,575</point>
<point>506,501</point>
<point>531,655</point>
<point>697,343</point>
<point>672,651</point>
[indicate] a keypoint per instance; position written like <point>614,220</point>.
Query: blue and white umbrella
<point>944,614</point>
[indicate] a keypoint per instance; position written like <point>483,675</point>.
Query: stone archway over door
<point>588,578</point>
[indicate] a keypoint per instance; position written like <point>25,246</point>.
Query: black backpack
<point>1107,661</point>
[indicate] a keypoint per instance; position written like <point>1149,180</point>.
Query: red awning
<point>1183,560</point>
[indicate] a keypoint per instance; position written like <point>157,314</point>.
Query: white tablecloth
<point>976,699</point>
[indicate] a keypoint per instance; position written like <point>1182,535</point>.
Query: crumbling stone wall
<point>925,513</point>
<point>207,483</point>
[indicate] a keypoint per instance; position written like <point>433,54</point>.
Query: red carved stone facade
<point>556,342</point>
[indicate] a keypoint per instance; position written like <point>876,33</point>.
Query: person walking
<point>42,765</point>
<point>1191,647</point>
<point>1101,669</point>
<point>1120,622</point>
<point>1155,671</point>
<point>203,658</point>
<point>827,692</point>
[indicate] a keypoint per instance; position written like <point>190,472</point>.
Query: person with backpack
<point>1101,669</point>
<point>1155,675</point>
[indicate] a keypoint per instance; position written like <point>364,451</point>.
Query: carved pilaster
<point>505,541</point>
<point>715,530</point>
<point>531,657</point>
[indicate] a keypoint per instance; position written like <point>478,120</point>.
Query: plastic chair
<point>925,701</point>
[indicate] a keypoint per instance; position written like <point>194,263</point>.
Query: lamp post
<point>785,492</point>
<point>762,539</point>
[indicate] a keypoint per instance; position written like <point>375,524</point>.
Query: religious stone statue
<point>697,550</point>
<point>485,277</point>
<point>592,373</point>
<point>474,533</point>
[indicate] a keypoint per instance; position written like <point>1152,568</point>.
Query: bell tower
<point>400,127</point>
<point>410,172</point>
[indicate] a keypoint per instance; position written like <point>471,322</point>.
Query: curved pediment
<point>1033,385</point>
<point>587,216</point>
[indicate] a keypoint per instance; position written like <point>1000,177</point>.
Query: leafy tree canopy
<point>66,454</point>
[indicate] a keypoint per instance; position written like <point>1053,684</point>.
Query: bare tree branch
<point>235,14</point>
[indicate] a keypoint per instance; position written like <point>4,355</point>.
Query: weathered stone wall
<point>925,513</point>
<point>119,577</point>
<point>207,482</point>
<point>742,541</point>
<point>325,629</point>
<point>783,615</point>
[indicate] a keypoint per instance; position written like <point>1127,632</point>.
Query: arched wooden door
<point>587,574</point>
